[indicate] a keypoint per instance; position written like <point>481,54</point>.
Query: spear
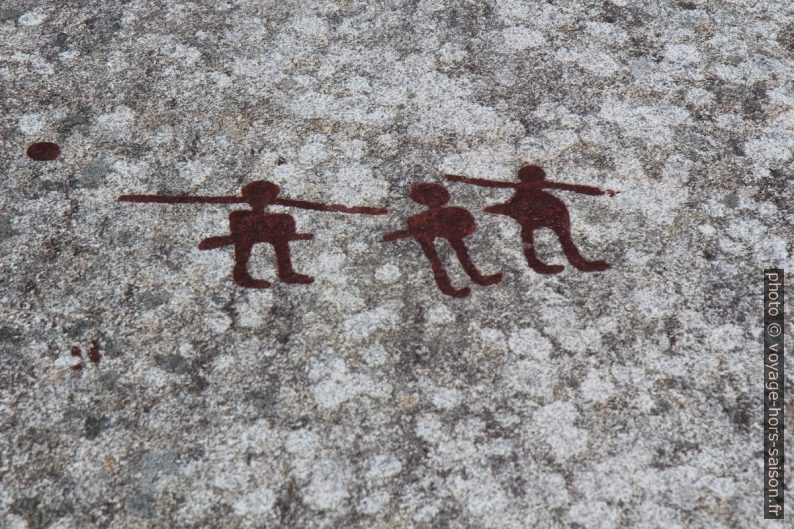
<point>232,199</point>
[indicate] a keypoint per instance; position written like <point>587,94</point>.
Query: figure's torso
<point>447,222</point>
<point>532,206</point>
<point>260,226</point>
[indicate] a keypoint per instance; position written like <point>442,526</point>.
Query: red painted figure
<point>450,223</point>
<point>249,227</point>
<point>533,208</point>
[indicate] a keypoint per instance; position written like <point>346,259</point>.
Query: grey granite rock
<point>625,398</point>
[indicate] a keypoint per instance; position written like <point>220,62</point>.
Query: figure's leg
<point>573,255</point>
<point>463,256</point>
<point>242,252</point>
<point>284,264</point>
<point>528,241</point>
<point>442,280</point>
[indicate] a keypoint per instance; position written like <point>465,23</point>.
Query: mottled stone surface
<point>623,399</point>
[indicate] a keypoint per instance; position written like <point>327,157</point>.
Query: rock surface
<point>625,398</point>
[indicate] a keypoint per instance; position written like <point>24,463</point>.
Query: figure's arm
<point>400,234</point>
<point>215,242</point>
<point>181,199</point>
<point>316,206</point>
<point>585,190</point>
<point>479,181</point>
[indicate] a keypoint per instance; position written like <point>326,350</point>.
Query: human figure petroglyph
<point>445,222</point>
<point>249,227</point>
<point>534,208</point>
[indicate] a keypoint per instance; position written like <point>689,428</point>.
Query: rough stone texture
<point>629,398</point>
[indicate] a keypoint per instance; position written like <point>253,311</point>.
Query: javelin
<point>230,199</point>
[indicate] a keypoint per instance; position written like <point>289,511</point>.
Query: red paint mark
<point>181,199</point>
<point>533,208</point>
<point>75,351</point>
<point>249,227</point>
<point>450,223</point>
<point>43,151</point>
<point>93,353</point>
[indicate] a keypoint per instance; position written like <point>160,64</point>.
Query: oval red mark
<point>43,151</point>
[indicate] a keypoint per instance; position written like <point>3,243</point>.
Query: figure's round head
<point>531,173</point>
<point>431,195</point>
<point>260,193</point>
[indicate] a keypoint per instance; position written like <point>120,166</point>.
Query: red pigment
<point>43,151</point>
<point>250,227</point>
<point>93,353</point>
<point>533,208</point>
<point>450,223</point>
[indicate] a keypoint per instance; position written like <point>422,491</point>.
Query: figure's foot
<point>545,269</point>
<point>252,283</point>
<point>536,264</point>
<point>243,279</point>
<point>592,266</point>
<point>488,280</point>
<point>456,292</point>
<point>297,278</point>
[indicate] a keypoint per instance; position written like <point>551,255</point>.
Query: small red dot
<point>93,353</point>
<point>43,151</point>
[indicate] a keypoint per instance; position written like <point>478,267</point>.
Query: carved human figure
<point>445,222</point>
<point>249,227</point>
<point>257,225</point>
<point>534,208</point>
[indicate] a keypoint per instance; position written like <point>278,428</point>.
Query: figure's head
<point>260,193</point>
<point>431,195</point>
<point>531,173</point>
